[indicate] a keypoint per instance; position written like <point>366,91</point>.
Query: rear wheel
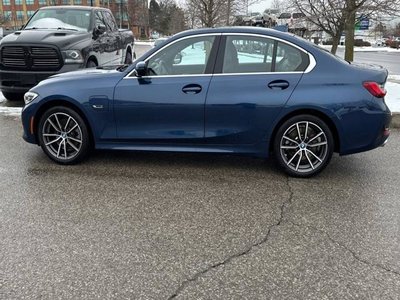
<point>303,146</point>
<point>10,96</point>
<point>63,135</point>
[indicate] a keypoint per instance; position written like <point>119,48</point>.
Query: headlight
<point>72,57</point>
<point>29,97</point>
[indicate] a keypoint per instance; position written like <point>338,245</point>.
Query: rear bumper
<point>13,81</point>
<point>379,138</point>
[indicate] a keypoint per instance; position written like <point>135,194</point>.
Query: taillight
<point>375,89</point>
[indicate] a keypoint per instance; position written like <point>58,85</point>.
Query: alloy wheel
<point>304,147</point>
<point>62,136</point>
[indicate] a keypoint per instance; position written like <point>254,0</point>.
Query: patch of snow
<point>144,43</point>
<point>365,49</point>
<point>392,97</point>
<point>11,111</point>
<point>394,78</point>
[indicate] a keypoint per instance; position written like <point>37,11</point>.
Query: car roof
<point>290,37</point>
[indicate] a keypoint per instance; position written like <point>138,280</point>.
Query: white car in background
<point>296,21</point>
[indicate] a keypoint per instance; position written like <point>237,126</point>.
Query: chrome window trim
<point>311,65</point>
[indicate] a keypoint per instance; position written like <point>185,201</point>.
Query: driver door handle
<point>192,89</point>
<point>278,84</point>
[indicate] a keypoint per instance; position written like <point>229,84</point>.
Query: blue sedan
<point>251,91</point>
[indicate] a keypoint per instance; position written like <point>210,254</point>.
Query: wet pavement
<point>190,226</point>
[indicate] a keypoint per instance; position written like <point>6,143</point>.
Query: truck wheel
<point>91,64</point>
<point>10,96</point>
<point>128,58</point>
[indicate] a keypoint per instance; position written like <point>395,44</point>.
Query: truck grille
<point>31,58</point>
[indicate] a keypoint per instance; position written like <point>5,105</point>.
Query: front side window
<point>248,54</point>
<point>185,57</point>
<point>111,25</point>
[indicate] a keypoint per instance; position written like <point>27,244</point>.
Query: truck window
<point>72,19</point>
<point>99,19</point>
<point>112,26</point>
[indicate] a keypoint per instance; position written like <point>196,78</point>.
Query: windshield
<point>69,19</point>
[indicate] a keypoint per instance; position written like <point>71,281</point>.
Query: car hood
<point>90,75</point>
<point>61,38</point>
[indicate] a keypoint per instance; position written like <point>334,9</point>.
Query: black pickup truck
<point>61,39</point>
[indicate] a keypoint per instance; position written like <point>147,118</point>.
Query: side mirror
<point>178,58</point>
<point>100,29</point>
<point>140,69</point>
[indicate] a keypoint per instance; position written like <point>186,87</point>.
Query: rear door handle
<point>192,89</point>
<point>278,84</point>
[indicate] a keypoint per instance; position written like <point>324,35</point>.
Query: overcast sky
<point>260,6</point>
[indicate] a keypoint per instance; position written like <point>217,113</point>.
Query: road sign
<point>362,23</point>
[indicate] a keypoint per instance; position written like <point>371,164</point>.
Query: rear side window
<point>248,54</point>
<point>252,54</point>
<point>290,59</point>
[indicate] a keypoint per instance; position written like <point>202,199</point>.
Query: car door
<point>256,76</point>
<point>168,103</point>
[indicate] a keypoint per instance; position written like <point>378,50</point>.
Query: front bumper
<point>13,81</point>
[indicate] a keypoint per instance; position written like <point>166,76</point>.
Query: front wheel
<point>303,146</point>
<point>63,135</point>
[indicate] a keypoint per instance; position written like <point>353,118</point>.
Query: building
<point>131,14</point>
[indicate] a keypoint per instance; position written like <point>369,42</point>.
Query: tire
<point>10,96</point>
<point>91,64</point>
<point>303,146</point>
<point>63,135</point>
<point>128,58</point>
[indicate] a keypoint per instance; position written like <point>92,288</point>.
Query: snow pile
<point>10,111</point>
<point>364,49</point>
<point>392,98</point>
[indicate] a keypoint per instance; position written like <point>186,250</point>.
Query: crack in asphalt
<point>353,253</point>
<point>286,203</point>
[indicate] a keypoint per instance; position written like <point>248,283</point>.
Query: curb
<point>395,120</point>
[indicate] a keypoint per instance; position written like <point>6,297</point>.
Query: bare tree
<point>211,13</point>
<point>327,15</point>
<point>336,16</point>
<point>369,8</point>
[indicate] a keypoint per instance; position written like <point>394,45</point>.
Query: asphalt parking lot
<point>194,226</point>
